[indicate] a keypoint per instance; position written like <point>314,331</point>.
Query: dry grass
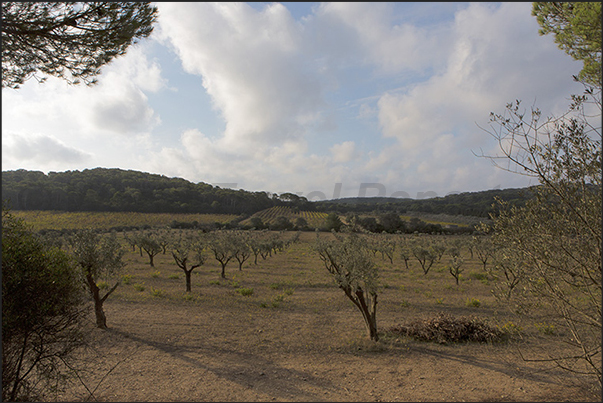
<point>57,220</point>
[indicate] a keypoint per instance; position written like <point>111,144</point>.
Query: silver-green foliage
<point>557,234</point>
<point>352,266</point>
<point>100,258</point>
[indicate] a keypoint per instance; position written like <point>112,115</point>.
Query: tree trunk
<point>369,314</point>
<point>187,273</point>
<point>101,319</point>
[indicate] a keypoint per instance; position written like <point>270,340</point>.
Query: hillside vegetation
<point>118,190</point>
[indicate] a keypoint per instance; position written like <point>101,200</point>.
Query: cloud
<point>270,78</point>
<point>44,150</point>
<point>117,104</point>
<point>343,152</point>
<point>495,57</point>
<point>369,33</point>
<point>252,66</point>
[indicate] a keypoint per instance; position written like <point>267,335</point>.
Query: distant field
<point>317,219</point>
<point>314,219</point>
<point>44,220</point>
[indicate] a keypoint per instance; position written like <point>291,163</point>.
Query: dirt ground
<point>309,345</point>
<point>169,354</point>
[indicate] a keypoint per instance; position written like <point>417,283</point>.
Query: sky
<point>323,100</point>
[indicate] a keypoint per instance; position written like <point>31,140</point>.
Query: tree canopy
<point>71,41</point>
<point>577,30</point>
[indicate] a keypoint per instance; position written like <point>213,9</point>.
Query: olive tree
<point>508,272</point>
<point>42,312</point>
<point>405,251</point>
<point>241,247</point>
<point>221,244</point>
<point>100,258</point>
<point>151,242</point>
<point>558,231</point>
<point>352,266</point>
<point>424,254</point>
<point>189,251</point>
<point>68,40</point>
<point>454,267</point>
<point>483,248</point>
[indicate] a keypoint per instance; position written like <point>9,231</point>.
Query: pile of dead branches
<point>445,329</point>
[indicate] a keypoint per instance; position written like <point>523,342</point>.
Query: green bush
<point>473,302</point>
<point>156,292</point>
<point>245,291</point>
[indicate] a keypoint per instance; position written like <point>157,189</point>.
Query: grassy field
<point>57,220</point>
<point>282,330</point>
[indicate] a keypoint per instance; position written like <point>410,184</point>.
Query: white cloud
<point>252,67</point>
<point>43,150</point>
<point>344,152</point>
<point>369,33</point>
<point>496,57</point>
<point>117,104</point>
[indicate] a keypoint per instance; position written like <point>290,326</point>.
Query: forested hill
<point>477,204</point>
<point>103,189</point>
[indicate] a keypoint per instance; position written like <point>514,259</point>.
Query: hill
<point>104,189</point>
<point>474,204</point>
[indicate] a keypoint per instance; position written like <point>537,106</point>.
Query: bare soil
<point>304,344</point>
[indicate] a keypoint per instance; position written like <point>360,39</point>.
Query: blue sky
<point>306,98</point>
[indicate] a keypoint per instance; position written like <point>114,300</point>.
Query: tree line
<point>475,204</point>
<point>104,189</point>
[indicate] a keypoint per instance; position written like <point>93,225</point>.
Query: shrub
<point>126,278</point>
<point>474,302</point>
<point>245,291</point>
<point>42,313</point>
<point>545,328</point>
<point>138,287</point>
<point>156,292</point>
<point>511,329</point>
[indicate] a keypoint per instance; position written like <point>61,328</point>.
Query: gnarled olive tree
<point>353,268</point>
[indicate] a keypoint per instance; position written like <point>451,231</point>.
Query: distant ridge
<point>114,189</point>
<point>478,204</point>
